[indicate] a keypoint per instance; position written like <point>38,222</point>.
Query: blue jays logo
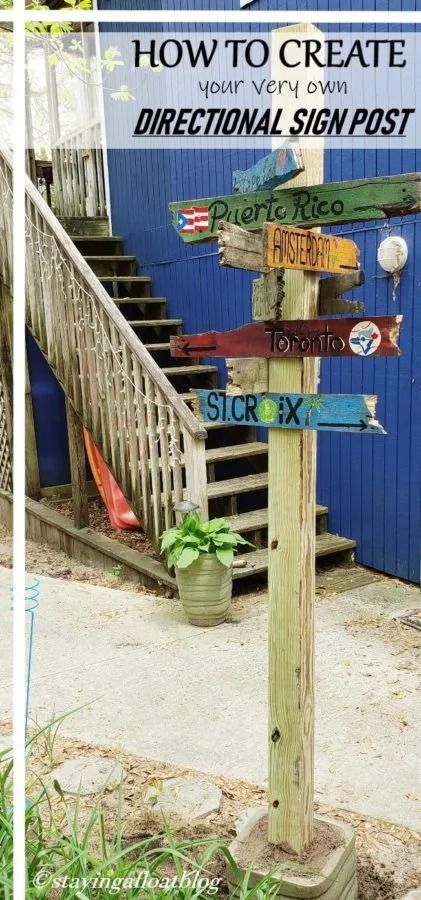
<point>364,339</point>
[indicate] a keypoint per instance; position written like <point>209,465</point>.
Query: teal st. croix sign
<point>319,412</point>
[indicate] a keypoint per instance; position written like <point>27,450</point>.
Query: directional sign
<point>312,337</point>
<point>322,204</point>
<point>286,247</point>
<point>241,249</point>
<point>331,301</point>
<point>269,172</point>
<point>317,412</point>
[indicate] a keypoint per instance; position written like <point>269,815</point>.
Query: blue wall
<point>49,419</point>
<point>371,485</point>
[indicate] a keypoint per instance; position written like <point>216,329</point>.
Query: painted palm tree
<point>313,402</point>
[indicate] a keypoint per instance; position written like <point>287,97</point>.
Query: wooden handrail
<point>145,359</point>
<point>147,435</point>
<point>70,135</point>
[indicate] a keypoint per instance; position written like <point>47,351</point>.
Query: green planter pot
<point>205,590</point>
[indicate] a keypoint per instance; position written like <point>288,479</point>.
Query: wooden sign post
<point>291,576</point>
<point>285,343</point>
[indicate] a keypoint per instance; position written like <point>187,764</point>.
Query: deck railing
<point>78,173</point>
<point>5,459</point>
<point>148,436</point>
<point>5,282</point>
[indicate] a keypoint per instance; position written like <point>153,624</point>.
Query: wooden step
<point>237,451</point>
<point>123,301</point>
<point>89,243</point>
<point>112,257</point>
<point>156,347</point>
<point>242,485</point>
<point>132,284</point>
<point>326,545</point>
<point>156,323</point>
<point>125,279</point>
<point>189,370</point>
<point>97,238</point>
<point>258,518</point>
<point>112,267</point>
<point>85,225</point>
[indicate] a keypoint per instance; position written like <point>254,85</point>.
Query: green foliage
<point>72,854</point>
<point>193,538</point>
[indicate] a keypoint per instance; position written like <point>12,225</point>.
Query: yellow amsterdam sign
<point>286,247</point>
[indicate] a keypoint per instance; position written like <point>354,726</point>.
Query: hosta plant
<point>193,538</point>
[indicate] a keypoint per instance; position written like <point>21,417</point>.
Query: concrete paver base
<point>336,881</point>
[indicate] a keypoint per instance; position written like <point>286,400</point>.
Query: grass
<point>70,856</point>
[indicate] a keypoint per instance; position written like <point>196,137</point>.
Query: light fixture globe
<point>392,254</point>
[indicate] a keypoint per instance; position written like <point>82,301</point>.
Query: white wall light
<point>392,257</point>
<point>392,254</point>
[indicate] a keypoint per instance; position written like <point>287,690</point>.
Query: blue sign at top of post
<point>269,172</point>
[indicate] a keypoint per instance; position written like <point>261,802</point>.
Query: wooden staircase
<point>236,461</point>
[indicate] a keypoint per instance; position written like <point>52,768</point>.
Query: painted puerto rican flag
<point>192,220</point>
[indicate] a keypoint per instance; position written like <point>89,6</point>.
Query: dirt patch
<point>390,630</point>
<point>45,560</point>
<point>327,838</point>
<point>388,855</point>
<point>99,521</point>
<point>374,885</point>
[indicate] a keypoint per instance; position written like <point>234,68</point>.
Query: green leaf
<point>225,538</point>
<point>188,556</point>
<point>225,557</point>
<point>169,539</point>
<point>123,94</point>
<point>219,525</point>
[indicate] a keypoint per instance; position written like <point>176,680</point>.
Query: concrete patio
<point>158,687</point>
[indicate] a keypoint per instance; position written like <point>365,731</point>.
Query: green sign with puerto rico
<point>322,204</point>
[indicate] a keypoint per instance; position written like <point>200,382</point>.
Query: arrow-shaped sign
<point>279,166</point>
<point>303,338</point>
<point>322,204</point>
<point>186,347</point>
<point>339,412</point>
<point>286,247</point>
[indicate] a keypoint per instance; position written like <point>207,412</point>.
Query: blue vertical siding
<point>372,485</point>
<point>336,6</point>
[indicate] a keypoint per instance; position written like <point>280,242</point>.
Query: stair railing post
<point>77,467</point>
<point>196,478</point>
